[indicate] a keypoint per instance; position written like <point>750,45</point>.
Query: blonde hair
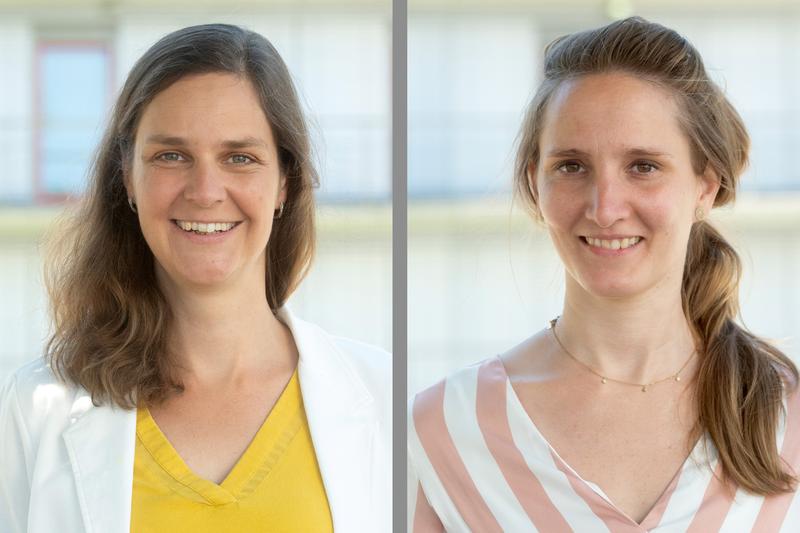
<point>741,379</point>
<point>110,318</point>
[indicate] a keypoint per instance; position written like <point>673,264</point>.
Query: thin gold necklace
<point>605,379</point>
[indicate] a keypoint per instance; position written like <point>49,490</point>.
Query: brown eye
<point>569,167</point>
<point>643,167</point>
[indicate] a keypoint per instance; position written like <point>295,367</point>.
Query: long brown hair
<point>110,320</point>
<point>742,379</point>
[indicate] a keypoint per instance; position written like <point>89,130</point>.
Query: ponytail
<point>742,379</point>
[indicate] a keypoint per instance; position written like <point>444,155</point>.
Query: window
<point>73,84</point>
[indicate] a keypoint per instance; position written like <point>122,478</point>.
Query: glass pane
<point>73,99</point>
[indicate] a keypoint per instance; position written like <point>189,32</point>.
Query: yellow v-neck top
<point>275,486</point>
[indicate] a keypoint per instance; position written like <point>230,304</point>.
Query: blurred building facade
<point>483,277</point>
<point>63,63</point>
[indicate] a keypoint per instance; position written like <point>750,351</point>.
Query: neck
<point>638,340</point>
<point>218,336</point>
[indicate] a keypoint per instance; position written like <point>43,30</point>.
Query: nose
<point>609,200</point>
<point>205,184</point>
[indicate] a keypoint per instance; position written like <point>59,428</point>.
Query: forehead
<point>607,111</point>
<point>202,106</point>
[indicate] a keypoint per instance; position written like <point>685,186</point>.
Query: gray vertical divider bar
<point>399,259</point>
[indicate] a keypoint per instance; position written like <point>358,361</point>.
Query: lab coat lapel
<point>343,423</point>
<point>100,442</point>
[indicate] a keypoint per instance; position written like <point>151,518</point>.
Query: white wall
<point>469,78</point>
<point>757,62</point>
<point>23,324</point>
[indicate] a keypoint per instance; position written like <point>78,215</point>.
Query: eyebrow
<point>233,144</point>
<point>635,151</point>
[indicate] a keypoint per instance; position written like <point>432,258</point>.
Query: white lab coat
<point>67,466</point>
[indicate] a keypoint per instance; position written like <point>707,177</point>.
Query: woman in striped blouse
<point>644,406</point>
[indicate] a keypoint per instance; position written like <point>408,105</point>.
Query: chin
<point>614,293</point>
<point>611,287</point>
<point>207,277</point>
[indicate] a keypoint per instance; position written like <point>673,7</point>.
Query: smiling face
<point>206,181</point>
<point>615,185</point>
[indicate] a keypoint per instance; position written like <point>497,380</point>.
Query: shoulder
<point>457,395</point>
<point>32,374</point>
<point>35,387</point>
<point>365,358</point>
<point>373,368</point>
<point>446,422</point>
<point>34,398</point>
<point>369,360</point>
<point>352,361</point>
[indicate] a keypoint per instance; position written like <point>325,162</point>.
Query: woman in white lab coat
<point>177,390</point>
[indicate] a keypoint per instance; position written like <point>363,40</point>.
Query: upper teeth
<point>615,244</point>
<point>205,227</point>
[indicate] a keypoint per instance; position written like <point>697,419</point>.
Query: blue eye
<point>169,157</point>
<point>240,159</point>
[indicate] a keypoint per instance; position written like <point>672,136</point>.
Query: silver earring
<point>132,204</point>
<point>279,213</point>
<point>699,214</point>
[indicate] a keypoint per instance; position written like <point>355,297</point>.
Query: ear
<point>283,193</point>
<point>708,186</point>
<point>125,166</point>
<point>531,174</point>
<point>126,182</point>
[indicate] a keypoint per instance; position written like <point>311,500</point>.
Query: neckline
<point>651,520</point>
<point>265,449</point>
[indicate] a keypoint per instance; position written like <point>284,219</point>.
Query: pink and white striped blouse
<point>478,463</point>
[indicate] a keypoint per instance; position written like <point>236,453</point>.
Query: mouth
<point>205,228</point>
<point>623,243</point>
